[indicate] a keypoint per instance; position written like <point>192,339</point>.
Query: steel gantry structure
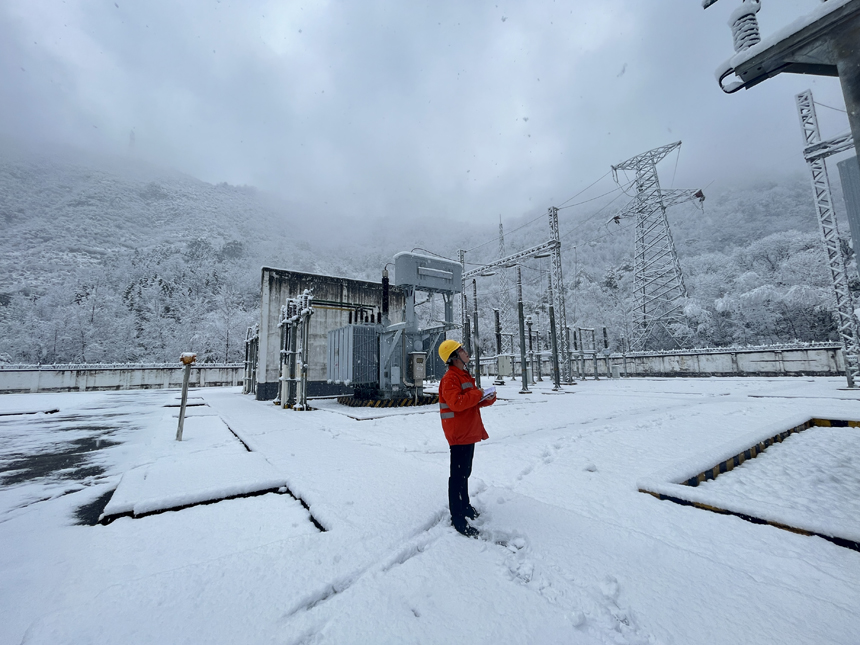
<point>823,43</point>
<point>815,153</point>
<point>551,248</point>
<point>659,291</point>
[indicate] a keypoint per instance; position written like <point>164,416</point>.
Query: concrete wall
<point>78,378</point>
<point>825,360</point>
<point>813,361</point>
<point>334,300</point>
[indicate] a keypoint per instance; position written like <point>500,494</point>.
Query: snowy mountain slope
<point>89,240</point>
<point>61,212</point>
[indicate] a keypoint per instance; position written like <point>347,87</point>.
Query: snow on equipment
<point>386,363</point>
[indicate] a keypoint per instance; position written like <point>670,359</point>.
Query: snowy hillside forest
<point>116,261</point>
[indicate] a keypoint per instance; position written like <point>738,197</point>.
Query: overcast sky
<point>459,109</point>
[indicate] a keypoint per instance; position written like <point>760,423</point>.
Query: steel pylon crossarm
<point>654,156</point>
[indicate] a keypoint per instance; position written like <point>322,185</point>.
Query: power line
<point>581,224</point>
<point>830,107</point>
<point>614,190</point>
<point>583,190</point>
<point>418,248</point>
<point>588,219</point>
<point>542,215</point>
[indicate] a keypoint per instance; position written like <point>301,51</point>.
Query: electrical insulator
<point>744,24</point>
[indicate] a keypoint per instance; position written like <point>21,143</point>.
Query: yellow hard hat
<point>448,347</point>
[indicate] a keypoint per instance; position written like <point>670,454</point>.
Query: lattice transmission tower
<point>815,153</point>
<point>508,319</point>
<point>659,291</point>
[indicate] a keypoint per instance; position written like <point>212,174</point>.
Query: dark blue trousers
<point>458,482</point>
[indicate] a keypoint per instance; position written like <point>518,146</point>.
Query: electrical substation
<point>322,335</point>
<point>331,336</point>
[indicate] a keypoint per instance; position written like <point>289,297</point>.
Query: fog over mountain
<point>459,110</point>
<point>154,155</point>
<point>113,259</point>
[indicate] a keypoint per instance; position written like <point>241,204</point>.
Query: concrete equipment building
<point>336,302</point>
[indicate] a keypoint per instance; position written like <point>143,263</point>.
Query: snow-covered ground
<point>571,551</point>
<point>813,475</point>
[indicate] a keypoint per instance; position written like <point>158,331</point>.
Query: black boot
<point>464,529</point>
<point>472,512</point>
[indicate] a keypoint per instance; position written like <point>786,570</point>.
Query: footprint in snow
<point>610,588</point>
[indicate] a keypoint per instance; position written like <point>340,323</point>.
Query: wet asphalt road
<point>62,452</point>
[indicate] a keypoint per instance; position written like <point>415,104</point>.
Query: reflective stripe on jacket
<point>459,401</point>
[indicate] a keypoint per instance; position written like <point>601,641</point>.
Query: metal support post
<point>594,353</point>
<point>582,359</point>
<point>282,365</point>
<point>624,356</point>
<point>187,359</point>
<point>556,374</point>
<point>539,373</point>
<point>246,380</point>
<point>568,357</point>
<point>499,380</point>
<point>475,332</point>
<point>291,384</point>
<point>606,353</point>
<point>464,315</point>
<point>302,396</point>
<point>531,350</point>
<point>523,369</point>
<point>557,277</point>
<point>467,332</point>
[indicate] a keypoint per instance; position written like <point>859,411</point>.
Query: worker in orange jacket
<point>459,406</point>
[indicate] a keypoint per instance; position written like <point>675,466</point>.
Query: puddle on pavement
<point>68,460</point>
<point>89,514</point>
<point>47,453</point>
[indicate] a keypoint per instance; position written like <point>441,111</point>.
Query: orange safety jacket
<point>459,401</point>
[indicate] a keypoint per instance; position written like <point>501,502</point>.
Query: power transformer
<point>392,361</point>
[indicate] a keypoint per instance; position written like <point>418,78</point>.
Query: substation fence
<point>88,377</point>
<point>814,359</point>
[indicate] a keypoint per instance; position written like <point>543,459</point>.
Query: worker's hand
<point>488,401</point>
